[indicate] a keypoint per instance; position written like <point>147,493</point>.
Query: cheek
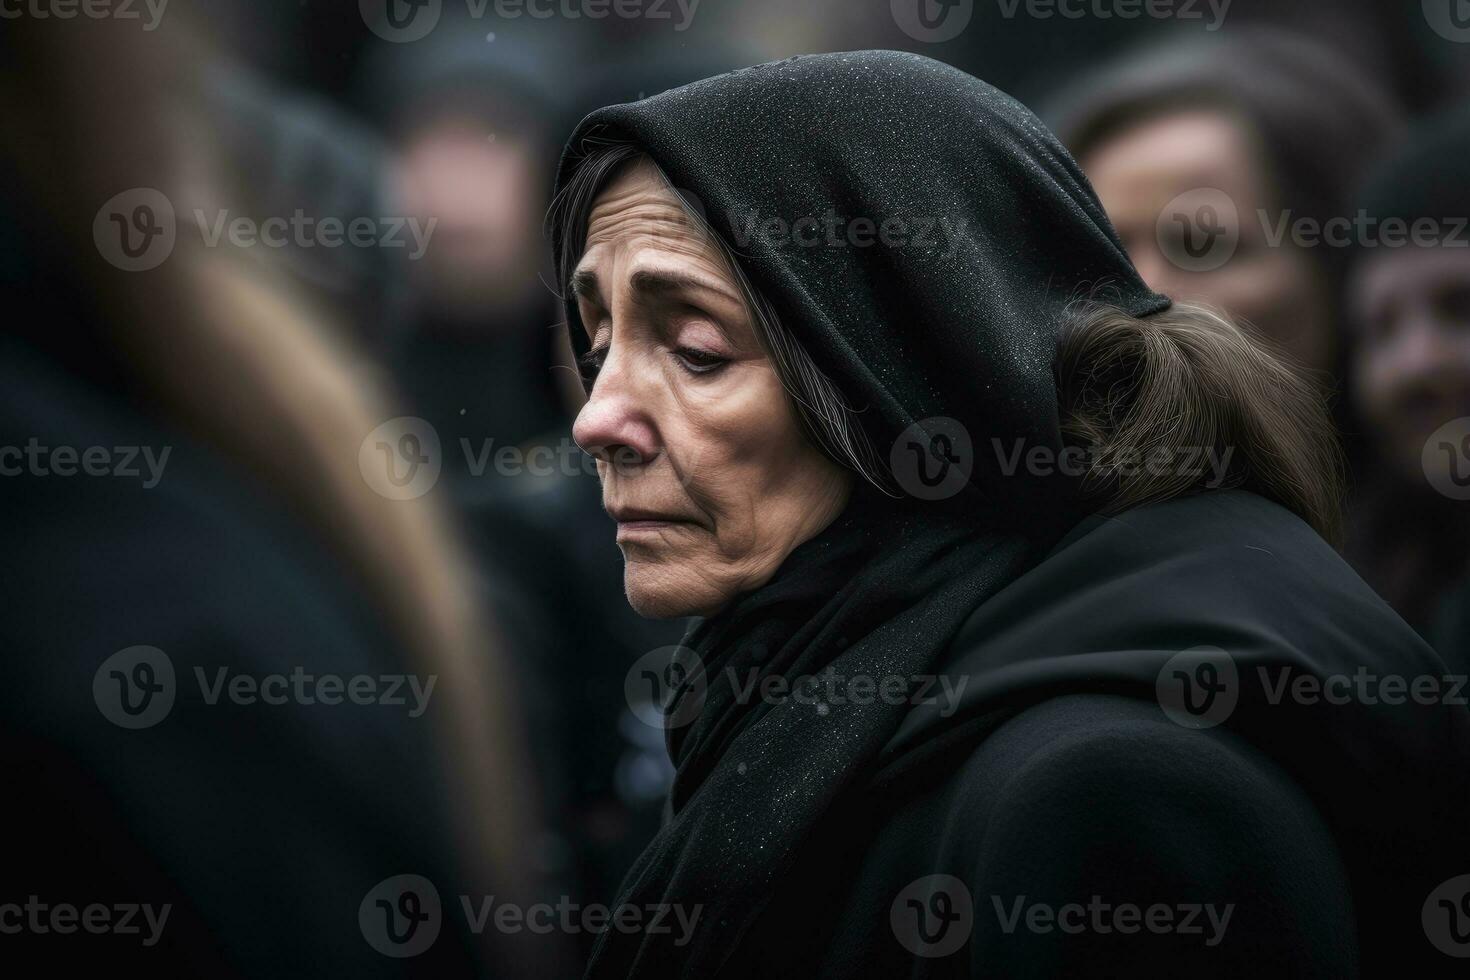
<point>741,449</point>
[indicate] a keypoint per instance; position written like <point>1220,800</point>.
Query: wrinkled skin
<point>703,462</point>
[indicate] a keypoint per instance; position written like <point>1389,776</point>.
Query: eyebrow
<point>584,283</point>
<point>661,283</point>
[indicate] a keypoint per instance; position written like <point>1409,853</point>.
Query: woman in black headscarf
<point>985,682</point>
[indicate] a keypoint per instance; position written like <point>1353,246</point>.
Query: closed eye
<point>697,361</point>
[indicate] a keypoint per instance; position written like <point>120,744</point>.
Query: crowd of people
<point>1258,170</point>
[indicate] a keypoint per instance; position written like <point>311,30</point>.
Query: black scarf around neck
<point>947,324</point>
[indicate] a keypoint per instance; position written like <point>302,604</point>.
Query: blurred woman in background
<point>1203,151</point>
<point>262,550</point>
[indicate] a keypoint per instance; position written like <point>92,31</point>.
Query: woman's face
<point>703,464</point>
<point>1410,309</point>
<point>1140,173</point>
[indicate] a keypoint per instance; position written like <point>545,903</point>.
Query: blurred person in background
<point>275,833</point>
<point>469,123</point>
<point>1200,148</point>
<point>1409,311</point>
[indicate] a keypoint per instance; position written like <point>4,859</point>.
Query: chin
<point>660,592</point>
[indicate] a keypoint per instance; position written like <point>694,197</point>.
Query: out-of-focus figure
<point>1205,151</point>
<point>1409,309</point>
<point>471,124</point>
<point>468,123</point>
<point>192,654</point>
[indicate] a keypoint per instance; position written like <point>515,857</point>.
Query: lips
<point>629,515</point>
<point>637,520</point>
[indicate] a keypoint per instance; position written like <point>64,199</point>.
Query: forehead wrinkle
<point>640,229</point>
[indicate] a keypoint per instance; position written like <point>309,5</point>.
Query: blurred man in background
<point>1409,306</point>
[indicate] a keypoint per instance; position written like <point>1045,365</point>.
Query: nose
<point>614,425</point>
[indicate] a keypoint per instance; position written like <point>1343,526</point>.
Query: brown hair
<point>1186,381</point>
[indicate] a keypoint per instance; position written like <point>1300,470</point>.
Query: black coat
<point>262,827</point>
<point>1323,828</point>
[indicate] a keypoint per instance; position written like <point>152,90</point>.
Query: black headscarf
<point>964,329</point>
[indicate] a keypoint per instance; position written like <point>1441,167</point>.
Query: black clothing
<point>1055,775</point>
<point>262,825</point>
<point>961,326</point>
<point>797,823</point>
